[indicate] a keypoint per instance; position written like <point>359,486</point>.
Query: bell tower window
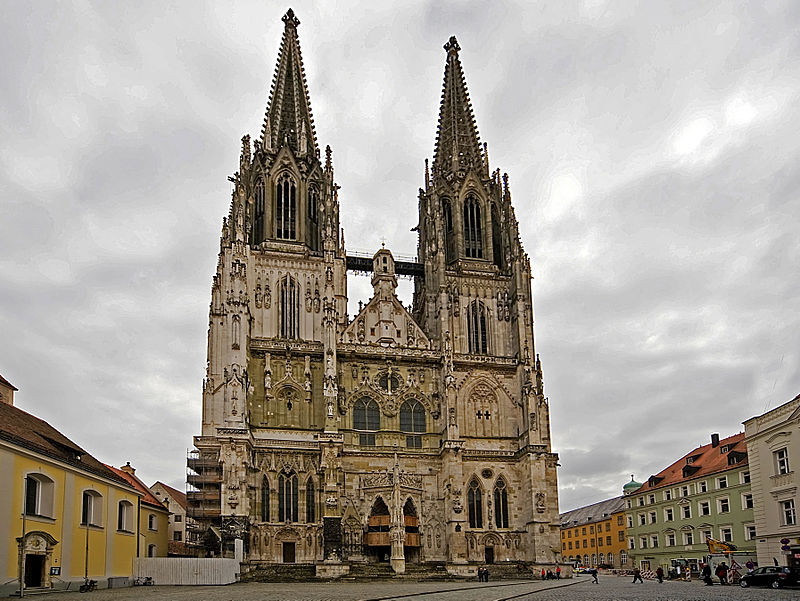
<point>473,235</point>
<point>497,238</point>
<point>476,328</point>
<point>289,308</point>
<point>449,239</point>
<point>258,213</point>
<point>285,208</point>
<point>313,218</point>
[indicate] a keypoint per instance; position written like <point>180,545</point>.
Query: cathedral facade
<point>405,434</point>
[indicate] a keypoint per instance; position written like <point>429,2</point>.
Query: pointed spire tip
<point>290,20</point>
<point>452,45</point>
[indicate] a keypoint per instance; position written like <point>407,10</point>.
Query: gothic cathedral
<point>404,435</point>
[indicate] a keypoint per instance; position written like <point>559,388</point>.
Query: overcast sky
<point>654,164</point>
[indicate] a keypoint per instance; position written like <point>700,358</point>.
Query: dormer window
<point>689,460</point>
<point>724,448</point>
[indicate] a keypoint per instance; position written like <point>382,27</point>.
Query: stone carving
<point>540,502</point>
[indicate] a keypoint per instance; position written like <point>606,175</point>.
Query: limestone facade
<point>407,434</point>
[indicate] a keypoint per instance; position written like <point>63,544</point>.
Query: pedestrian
<point>486,574</point>
<point>558,572</point>
<point>543,574</point>
<point>660,575</point>
<point>750,566</point>
<point>706,574</point>
<point>637,575</point>
<point>722,573</point>
<point>594,575</point>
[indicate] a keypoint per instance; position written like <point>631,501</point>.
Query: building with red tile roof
<point>704,494</point>
<point>153,517</point>
<point>182,528</point>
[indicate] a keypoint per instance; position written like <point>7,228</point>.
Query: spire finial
<point>290,20</point>
<point>452,46</point>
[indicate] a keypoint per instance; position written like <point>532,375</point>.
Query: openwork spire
<point>288,120</point>
<point>457,142</point>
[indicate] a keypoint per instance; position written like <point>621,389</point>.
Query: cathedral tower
<point>410,435</point>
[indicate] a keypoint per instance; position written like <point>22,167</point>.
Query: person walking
<point>660,575</point>
<point>722,573</point>
<point>706,574</point>
<point>558,572</point>
<point>637,575</point>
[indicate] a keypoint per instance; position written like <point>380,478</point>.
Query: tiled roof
<point>148,498</point>
<point>590,514</point>
<point>179,496</point>
<point>704,461</point>
<point>23,429</point>
<point>7,383</point>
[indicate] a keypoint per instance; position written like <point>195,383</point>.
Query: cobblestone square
<point>610,588</point>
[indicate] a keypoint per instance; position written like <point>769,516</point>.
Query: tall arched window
<point>366,416</point>
<point>289,308</point>
<point>473,235</point>
<point>125,516</point>
<point>475,505</point>
<point>610,559</point>
<point>500,504</point>
<point>38,495</point>
<point>287,497</point>
<point>285,208</point>
<point>412,420</point>
<point>265,500</point>
<point>258,212</point>
<point>497,238</point>
<point>311,502</point>
<point>476,328</point>
<point>449,239</point>
<point>92,508</point>
<point>313,218</point>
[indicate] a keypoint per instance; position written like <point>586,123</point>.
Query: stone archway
<point>35,558</point>
<point>378,524</point>
<point>412,542</point>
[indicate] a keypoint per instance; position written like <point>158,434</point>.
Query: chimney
<point>714,440</point>
<point>128,469</point>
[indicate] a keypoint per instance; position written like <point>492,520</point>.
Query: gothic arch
<point>469,384</point>
<point>492,539</point>
<point>287,190</point>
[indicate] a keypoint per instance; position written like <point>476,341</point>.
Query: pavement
<point>580,588</point>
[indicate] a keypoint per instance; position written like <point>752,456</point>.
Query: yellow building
<point>594,535</point>
<point>63,514</point>
<point>153,517</point>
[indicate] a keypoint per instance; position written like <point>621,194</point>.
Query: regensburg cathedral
<point>407,435</point>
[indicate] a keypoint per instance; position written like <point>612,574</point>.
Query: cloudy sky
<point>654,164</point>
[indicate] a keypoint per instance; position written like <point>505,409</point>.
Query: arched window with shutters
<point>311,501</point>
<point>473,234</point>
<point>265,500</point>
<point>412,421</point>
<point>289,301</point>
<point>476,328</point>
<point>367,418</point>
<point>475,505</point>
<point>501,504</point>
<point>449,238</point>
<point>286,208</point>
<point>258,211</point>
<point>287,497</point>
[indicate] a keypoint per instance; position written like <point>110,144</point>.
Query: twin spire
<point>288,119</point>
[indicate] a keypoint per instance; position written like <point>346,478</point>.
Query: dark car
<point>774,576</point>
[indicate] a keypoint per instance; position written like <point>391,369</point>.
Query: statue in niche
<point>267,373</point>
<point>540,498</point>
<point>360,328</point>
<point>267,295</point>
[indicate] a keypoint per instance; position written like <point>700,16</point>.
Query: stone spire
<point>288,120</point>
<point>458,145</point>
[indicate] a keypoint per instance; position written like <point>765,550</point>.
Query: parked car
<point>774,576</point>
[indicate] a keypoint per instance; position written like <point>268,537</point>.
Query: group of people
<point>721,573</point>
<point>550,575</point>
<point>483,574</point>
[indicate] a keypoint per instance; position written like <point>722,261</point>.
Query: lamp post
<point>22,540</point>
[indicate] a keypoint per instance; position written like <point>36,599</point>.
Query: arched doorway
<point>36,552</point>
<point>411,525</point>
<point>377,541</point>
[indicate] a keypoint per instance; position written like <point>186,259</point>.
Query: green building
<point>704,494</point>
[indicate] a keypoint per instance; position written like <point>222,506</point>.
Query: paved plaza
<point>610,588</point>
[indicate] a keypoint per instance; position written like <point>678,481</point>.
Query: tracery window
<point>476,328</point>
<point>497,238</point>
<point>412,419</point>
<point>501,504</point>
<point>313,218</point>
<point>366,416</point>
<point>287,497</point>
<point>265,500</point>
<point>258,212</point>
<point>289,308</point>
<point>473,236</point>
<point>285,208</point>
<point>311,513</point>
<point>449,239</point>
<point>475,505</point>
